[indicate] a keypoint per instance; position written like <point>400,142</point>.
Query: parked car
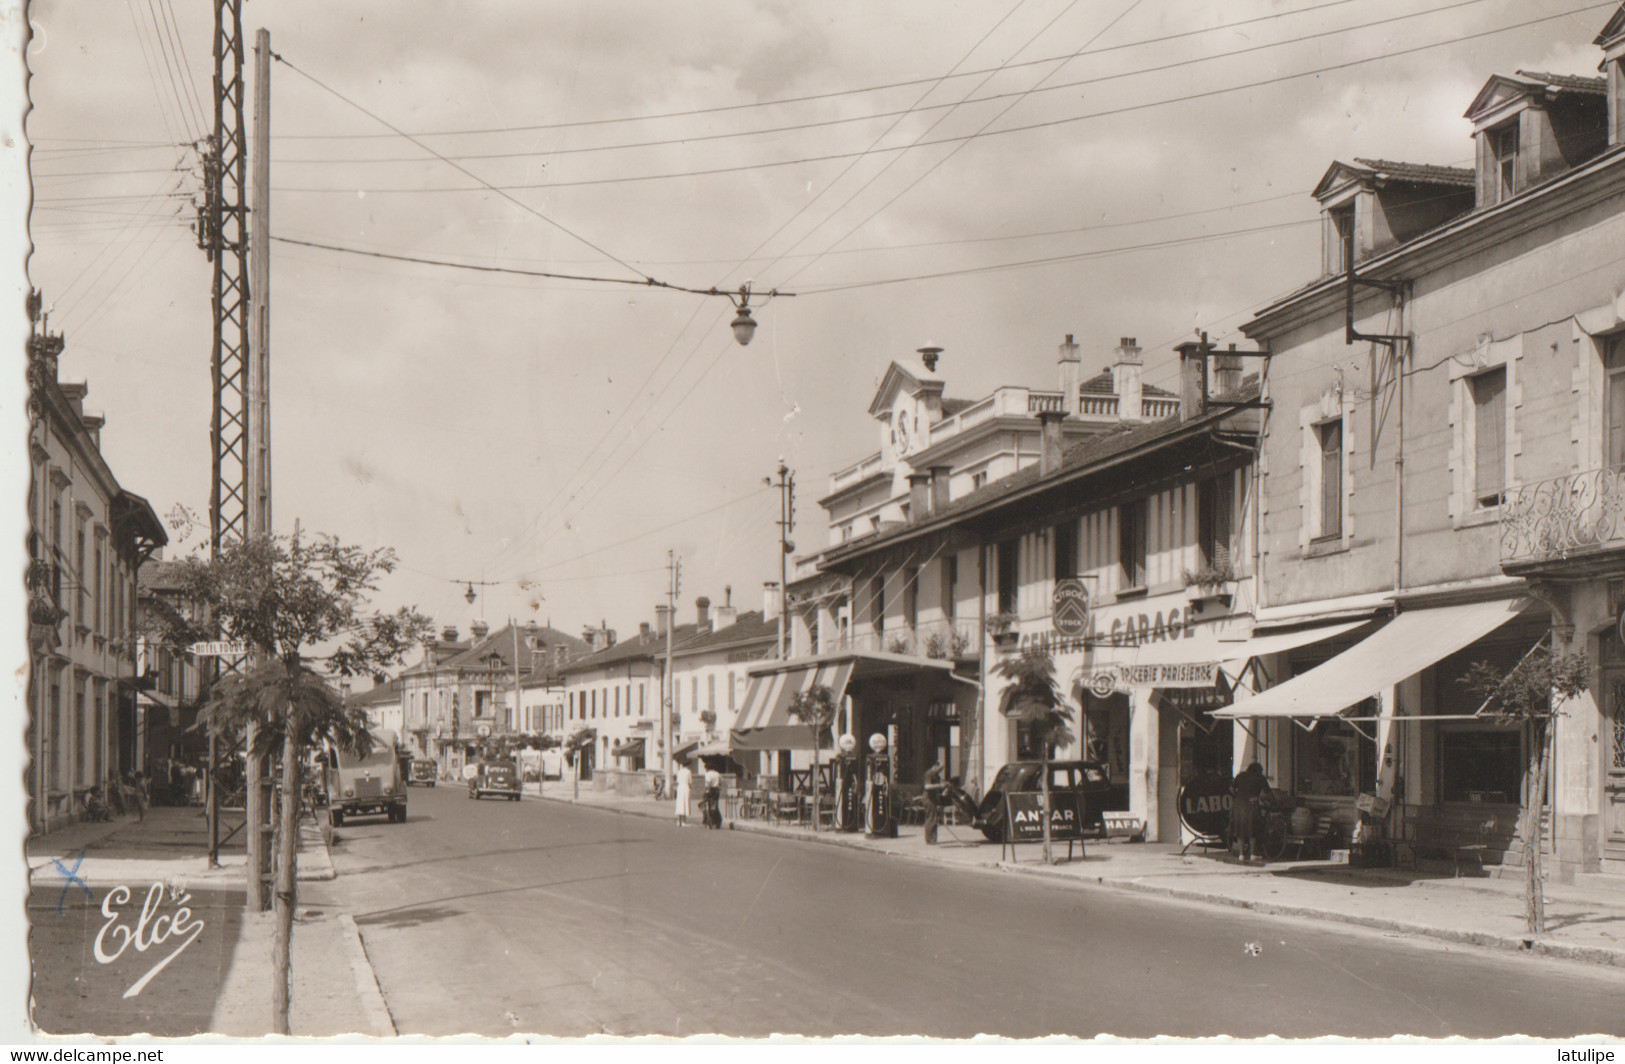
<point>499,778</point>
<point>424,771</point>
<point>1088,778</point>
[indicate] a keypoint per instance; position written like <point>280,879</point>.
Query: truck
<point>369,785</point>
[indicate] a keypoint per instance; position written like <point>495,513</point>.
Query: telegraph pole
<point>258,468</point>
<point>674,583</point>
<point>787,524</point>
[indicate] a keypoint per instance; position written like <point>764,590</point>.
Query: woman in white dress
<point>685,781</point>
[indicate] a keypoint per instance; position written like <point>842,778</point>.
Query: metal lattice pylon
<point>224,235</point>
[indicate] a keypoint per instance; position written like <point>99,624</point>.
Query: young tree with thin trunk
<point>1032,697</point>
<point>293,600</point>
<point>1530,694</point>
<point>814,707</point>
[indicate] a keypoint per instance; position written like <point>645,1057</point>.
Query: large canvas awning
<point>764,722</point>
<point>1400,649</point>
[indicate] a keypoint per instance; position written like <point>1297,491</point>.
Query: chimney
<point>1071,367</point>
<point>929,356</point>
<point>1127,370</point>
<point>644,631</point>
<point>1192,379</point>
<point>662,619</point>
<point>727,616</point>
<point>1049,441</point>
<point>93,424</point>
<point>770,600</point>
<point>1226,371</point>
<point>919,496</point>
<point>702,611</point>
<point>939,487</point>
<point>449,633</point>
<point>479,630</point>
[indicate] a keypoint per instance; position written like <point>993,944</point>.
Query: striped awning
<point>764,722</point>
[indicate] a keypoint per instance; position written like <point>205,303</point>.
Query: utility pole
<point>787,524</point>
<point>674,584</point>
<point>258,468</point>
<point>222,234</point>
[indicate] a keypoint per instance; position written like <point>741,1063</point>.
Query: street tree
<point>814,707</point>
<point>1032,697</point>
<point>1531,693</point>
<point>293,600</point>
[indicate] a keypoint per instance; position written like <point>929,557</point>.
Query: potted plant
<point>1002,627</point>
<point>1212,582</point>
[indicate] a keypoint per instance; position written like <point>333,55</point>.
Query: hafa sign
<point>1069,608</point>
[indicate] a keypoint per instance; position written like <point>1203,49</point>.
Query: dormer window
<point>1339,237</point>
<point>1503,144</point>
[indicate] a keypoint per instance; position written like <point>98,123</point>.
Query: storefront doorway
<point>1614,766</point>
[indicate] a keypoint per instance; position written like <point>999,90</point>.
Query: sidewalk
<point>1585,921</point>
<point>333,990</point>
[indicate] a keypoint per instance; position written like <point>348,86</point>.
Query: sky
<point>984,177</point>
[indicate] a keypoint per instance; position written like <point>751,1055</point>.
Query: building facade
<point>1439,465</point>
<point>87,538</point>
<point>467,694</point>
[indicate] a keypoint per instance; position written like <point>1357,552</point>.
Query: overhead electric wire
<point>1051,123</point>
<point>918,102</point>
<point>934,166</point>
<point>470,174</point>
<point>916,108</point>
<point>815,97</point>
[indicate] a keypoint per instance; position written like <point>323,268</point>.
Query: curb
<point>313,843</point>
<point>1489,940</point>
<point>366,981</point>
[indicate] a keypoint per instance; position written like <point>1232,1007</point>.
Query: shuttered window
<point>1215,500</point>
<point>1131,543</point>
<point>1490,436</point>
<point>1331,478</point>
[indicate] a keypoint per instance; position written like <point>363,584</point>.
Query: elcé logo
<point>152,928</point>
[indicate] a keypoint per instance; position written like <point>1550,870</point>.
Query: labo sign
<point>1119,630</point>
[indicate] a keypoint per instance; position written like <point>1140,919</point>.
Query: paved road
<point>494,917</point>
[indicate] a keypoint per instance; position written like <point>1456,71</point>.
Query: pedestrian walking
<point>711,809</point>
<point>138,790</point>
<point>935,784</point>
<point>685,782</point>
<point>1245,791</point>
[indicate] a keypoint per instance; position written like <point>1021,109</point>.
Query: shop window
<point>1334,760</point>
<point>1481,765</point>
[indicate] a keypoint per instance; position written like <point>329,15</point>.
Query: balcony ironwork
<point>1575,514</point>
<point>941,640</point>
